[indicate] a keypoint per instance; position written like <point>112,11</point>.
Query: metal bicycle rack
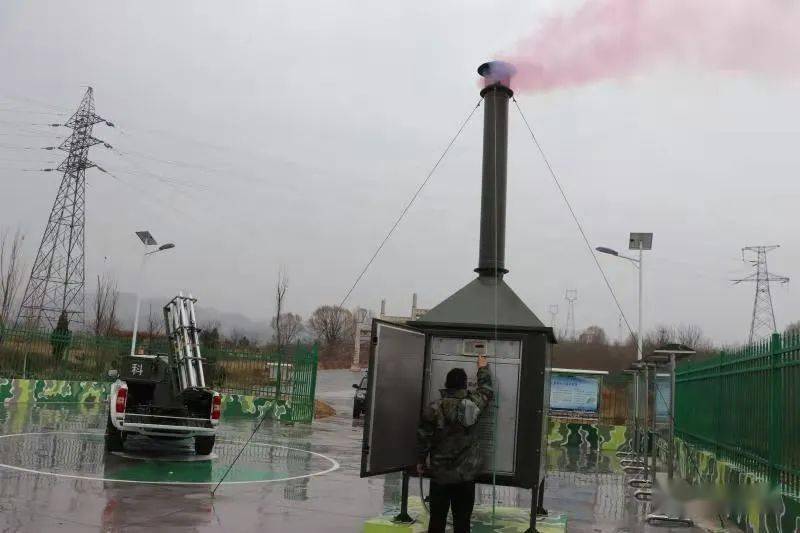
<point>638,464</point>
<point>653,427</point>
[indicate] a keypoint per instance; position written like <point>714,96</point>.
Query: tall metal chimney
<point>496,93</point>
<point>483,310</point>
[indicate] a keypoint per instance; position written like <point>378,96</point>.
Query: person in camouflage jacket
<point>448,436</point>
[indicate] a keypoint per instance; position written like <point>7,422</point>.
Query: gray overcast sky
<point>304,127</point>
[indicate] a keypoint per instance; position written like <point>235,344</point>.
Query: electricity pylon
<point>570,296</point>
<point>553,309</point>
<point>57,279</point>
<point>762,323</point>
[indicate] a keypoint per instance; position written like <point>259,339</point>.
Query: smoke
<point>615,39</point>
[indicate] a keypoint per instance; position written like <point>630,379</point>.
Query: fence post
<point>774,409</point>
<point>314,356</point>
<point>718,408</point>
<point>278,379</point>
<point>671,443</point>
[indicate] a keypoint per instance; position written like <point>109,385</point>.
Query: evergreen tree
<point>61,336</point>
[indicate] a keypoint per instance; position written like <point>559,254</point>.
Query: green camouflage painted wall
<point>583,434</point>
<point>752,506</point>
<point>45,390</point>
<point>40,390</point>
<point>244,405</point>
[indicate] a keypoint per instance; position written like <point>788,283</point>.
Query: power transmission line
<point>411,202</point>
<point>762,322</point>
<point>574,215</point>
<point>56,284</point>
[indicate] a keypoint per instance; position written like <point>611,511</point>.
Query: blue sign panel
<point>574,393</point>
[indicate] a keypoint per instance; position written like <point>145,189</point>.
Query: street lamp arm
<point>631,259</point>
<point>611,251</point>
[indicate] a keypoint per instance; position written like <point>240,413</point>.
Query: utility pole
<point>553,315</point>
<point>57,279</point>
<point>571,296</point>
<point>762,322</point>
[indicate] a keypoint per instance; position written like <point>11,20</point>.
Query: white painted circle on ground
<point>182,458</point>
<point>333,462</point>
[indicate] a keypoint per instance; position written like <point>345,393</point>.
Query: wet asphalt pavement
<point>291,478</point>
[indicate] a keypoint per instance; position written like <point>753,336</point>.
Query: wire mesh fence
<point>288,377</point>
<point>41,355</point>
<point>744,405</point>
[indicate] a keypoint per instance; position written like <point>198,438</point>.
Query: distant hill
<point>260,331</point>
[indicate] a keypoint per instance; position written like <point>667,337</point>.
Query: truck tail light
<point>216,407</point>
<point>122,398</point>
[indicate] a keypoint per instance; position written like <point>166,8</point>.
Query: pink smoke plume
<point>612,39</point>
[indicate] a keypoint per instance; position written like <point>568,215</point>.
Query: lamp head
<point>604,250</point>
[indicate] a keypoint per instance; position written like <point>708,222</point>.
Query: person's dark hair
<point>456,379</point>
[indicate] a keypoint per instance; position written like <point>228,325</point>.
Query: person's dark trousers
<point>459,496</point>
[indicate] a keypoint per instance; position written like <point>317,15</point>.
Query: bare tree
<point>155,325</point>
<point>331,324</point>
<point>98,309</point>
<point>10,273</point>
<point>281,287</point>
<point>658,337</point>
<point>286,329</point>
<point>236,336</point>
<point>690,335</point>
<point>105,320</point>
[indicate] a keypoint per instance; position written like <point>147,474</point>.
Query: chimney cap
<point>497,72</point>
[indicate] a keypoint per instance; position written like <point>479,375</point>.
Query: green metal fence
<point>43,355</point>
<point>289,377</point>
<point>744,405</point>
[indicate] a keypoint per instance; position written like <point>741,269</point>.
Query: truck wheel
<point>114,437</point>
<point>203,445</point>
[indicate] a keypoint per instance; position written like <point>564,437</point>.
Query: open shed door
<point>394,398</point>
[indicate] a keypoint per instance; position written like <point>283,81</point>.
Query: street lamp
<point>148,241</point>
<point>640,242</point>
